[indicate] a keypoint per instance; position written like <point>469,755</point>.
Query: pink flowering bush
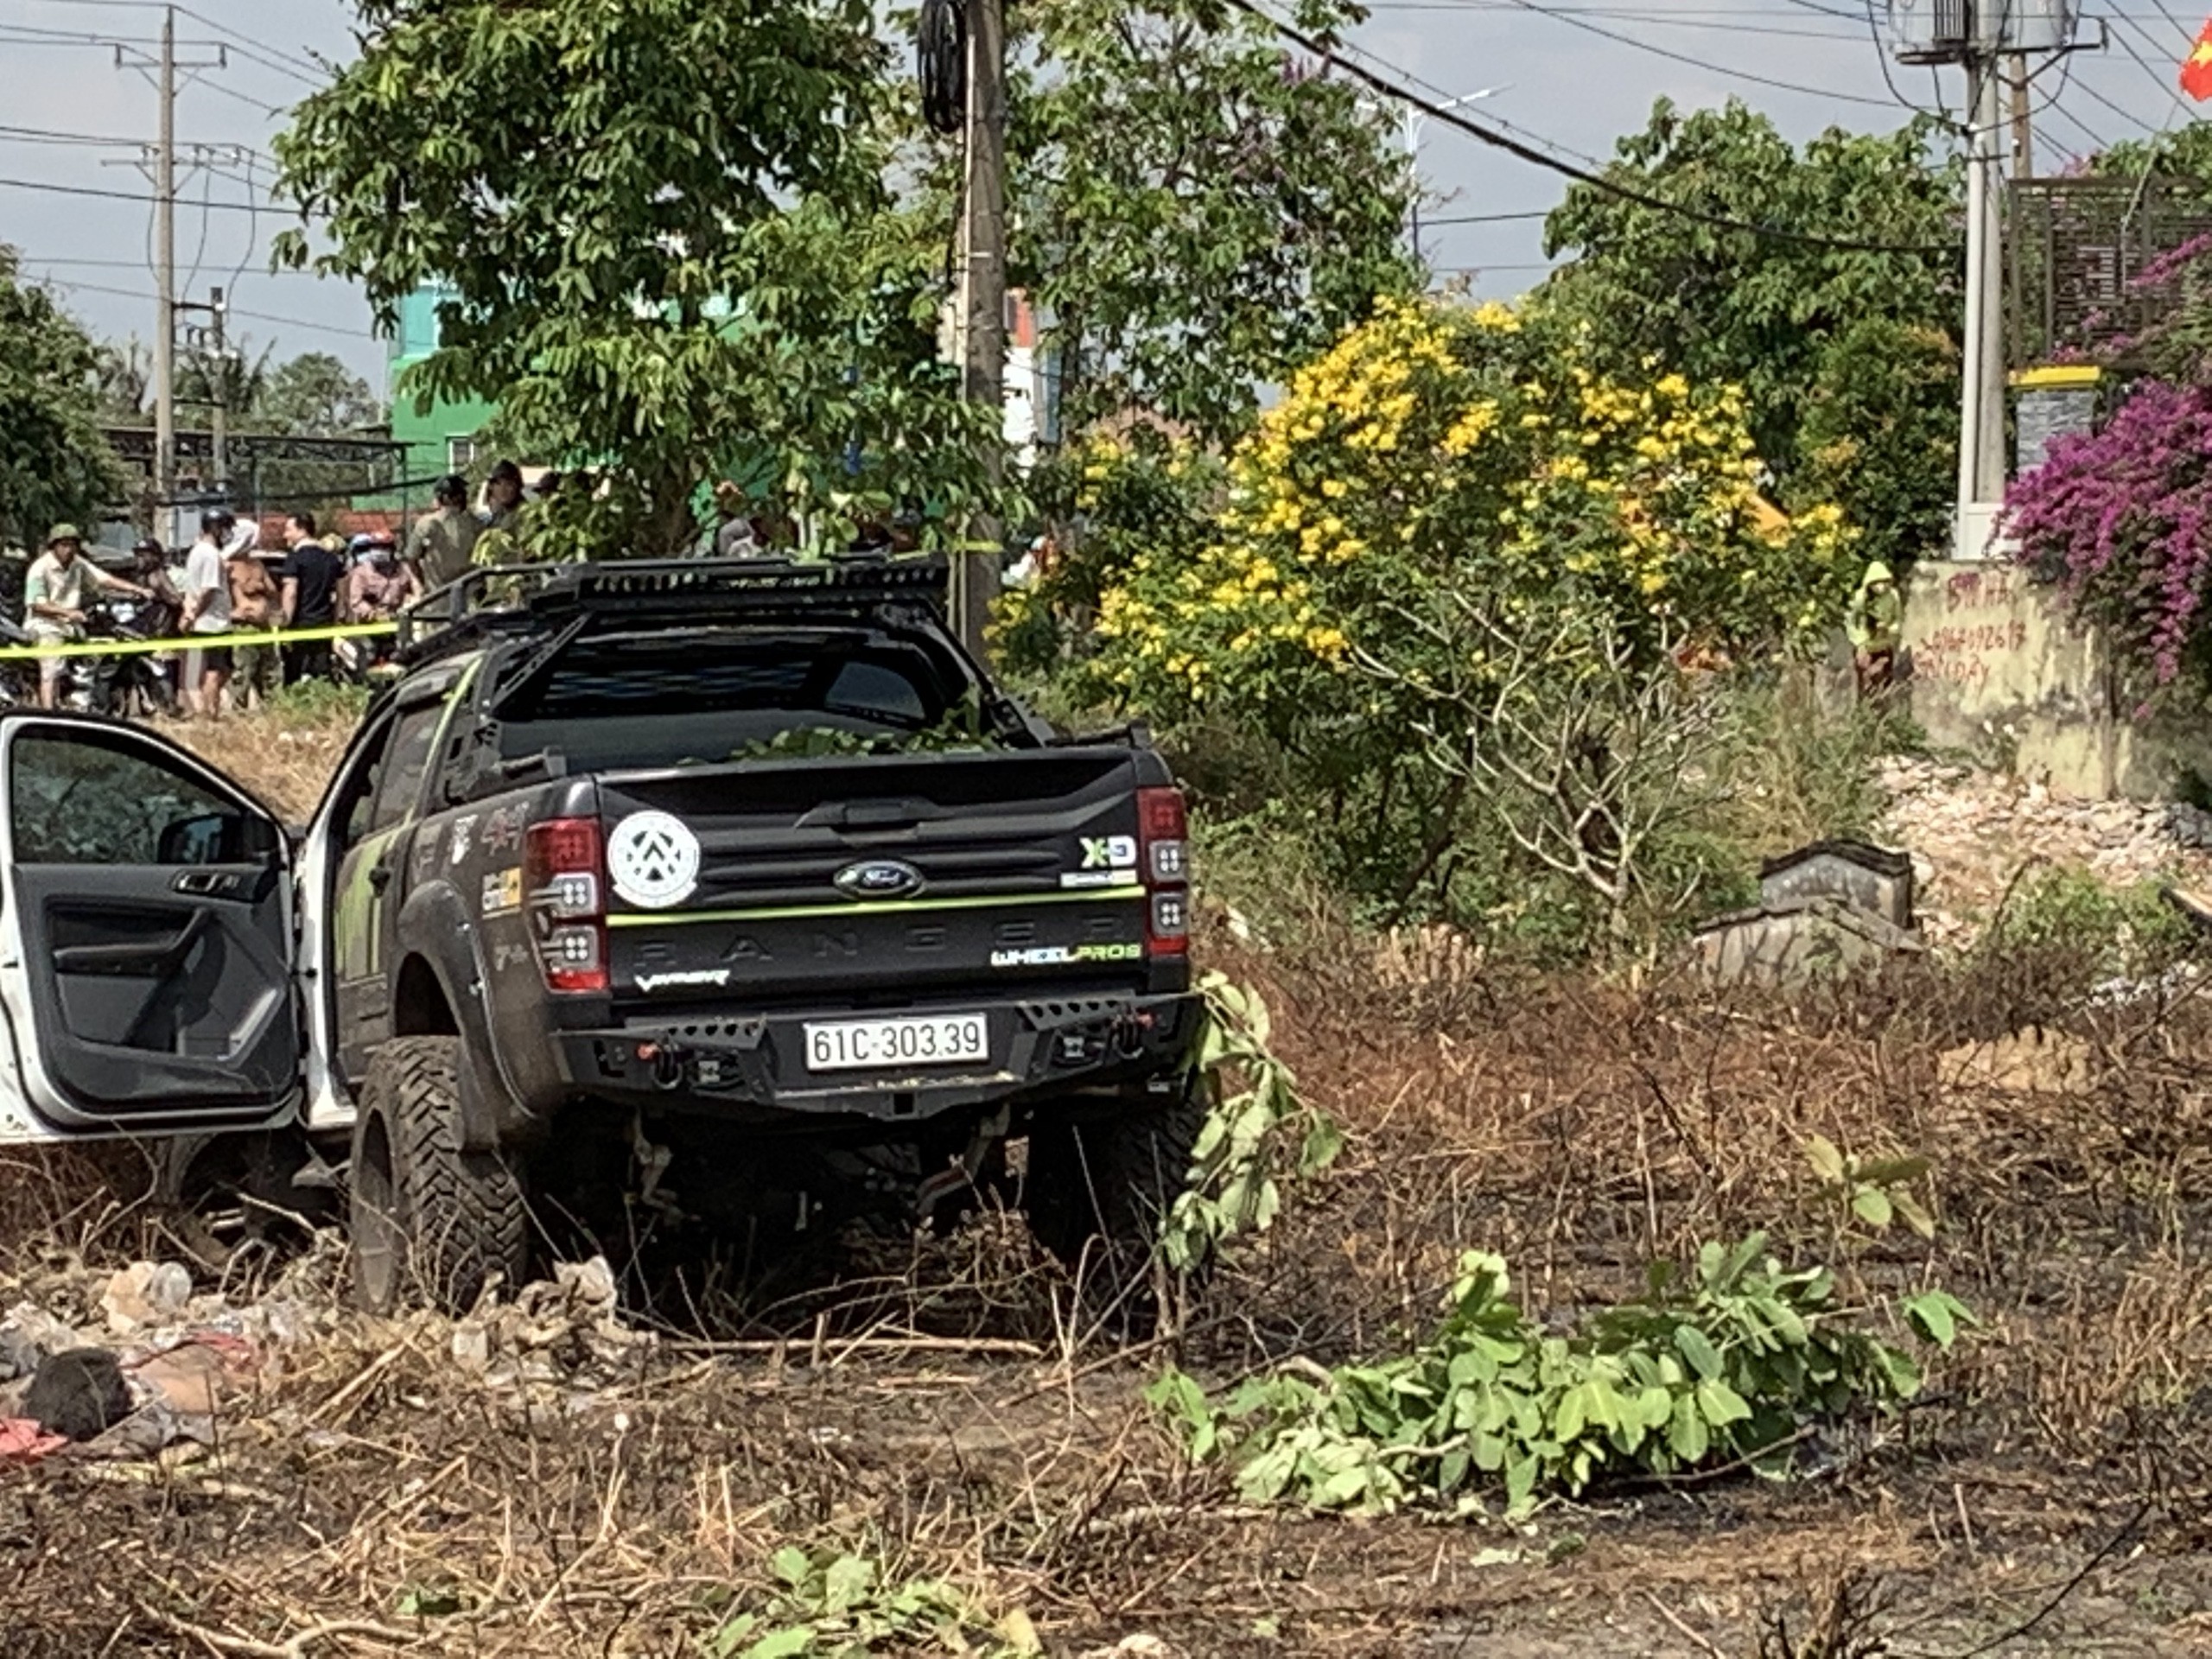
<point>2122,520</point>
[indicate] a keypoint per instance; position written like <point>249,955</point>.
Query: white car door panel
<point>146,945</point>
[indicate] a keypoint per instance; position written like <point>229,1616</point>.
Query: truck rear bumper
<point>755,1067</point>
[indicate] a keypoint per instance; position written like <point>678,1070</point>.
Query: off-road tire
<point>429,1221</point>
<point>1094,1192</point>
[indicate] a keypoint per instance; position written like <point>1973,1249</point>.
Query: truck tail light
<point>1163,828</point>
<point>562,874</point>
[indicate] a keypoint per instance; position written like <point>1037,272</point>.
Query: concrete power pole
<point>982,308</point>
<point>165,273</point>
<point>1982,402</point>
<point>219,392</point>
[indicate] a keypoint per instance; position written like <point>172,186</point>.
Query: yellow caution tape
<point>192,642</point>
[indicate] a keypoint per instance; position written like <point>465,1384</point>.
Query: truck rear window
<point>710,696</point>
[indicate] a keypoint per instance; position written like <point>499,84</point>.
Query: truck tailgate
<point>880,881</point>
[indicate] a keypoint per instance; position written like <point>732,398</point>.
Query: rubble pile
<point>141,1362</point>
<point>1972,833</point>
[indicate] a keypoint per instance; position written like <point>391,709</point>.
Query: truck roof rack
<point>511,599</point>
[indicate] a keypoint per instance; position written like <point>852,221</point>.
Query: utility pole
<point>1990,468</point>
<point>165,274</point>
<point>981,310</point>
<point>1981,400</point>
<point>161,170</point>
<point>1970,339</point>
<point>2023,148</point>
<point>219,392</point>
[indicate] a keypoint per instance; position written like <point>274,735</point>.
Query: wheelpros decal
<point>652,858</point>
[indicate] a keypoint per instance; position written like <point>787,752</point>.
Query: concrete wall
<point>1996,671</point>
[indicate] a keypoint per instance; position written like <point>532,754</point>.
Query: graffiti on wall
<point>1980,629</point>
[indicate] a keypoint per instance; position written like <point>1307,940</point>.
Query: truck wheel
<point>1095,1193</point>
<point>428,1219</point>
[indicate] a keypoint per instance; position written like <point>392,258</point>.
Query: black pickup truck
<point>734,889</point>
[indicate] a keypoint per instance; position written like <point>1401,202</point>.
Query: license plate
<point>929,1039</point>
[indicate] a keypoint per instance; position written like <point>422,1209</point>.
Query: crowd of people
<point>256,618</point>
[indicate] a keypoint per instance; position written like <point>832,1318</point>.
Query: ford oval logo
<point>880,878</point>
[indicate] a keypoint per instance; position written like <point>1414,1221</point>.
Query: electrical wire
<point>252,230</point>
<point>2095,138</point>
<point>2096,97</point>
<point>73,285</point>
<point>2158,80</point>
<point>1643,19</point>
<point>1573,22</point>
<point>269,57</point>
<point>1882,58</point>
<point>87,140</point>
<point>93,192</point>
<point>1511,146</point>
<point>2180,28</point>
<point>1485,218</point>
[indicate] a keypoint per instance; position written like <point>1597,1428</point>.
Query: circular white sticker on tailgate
<point>654,860</point>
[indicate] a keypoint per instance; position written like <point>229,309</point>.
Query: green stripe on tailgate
<point>885,907</point>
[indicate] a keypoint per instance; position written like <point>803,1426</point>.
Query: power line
<point>51,188</point>
<point>297,63</point>
<point>2081,126</point>
<point>1491,136</point>
<point>2156,80</point>
<point>74,286</point>
<point>1671,20</point>
<point>1486,219</point>
<point>2096,97</point>
<point>1573,22</point>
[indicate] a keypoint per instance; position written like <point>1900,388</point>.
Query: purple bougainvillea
<point>2122,520</point>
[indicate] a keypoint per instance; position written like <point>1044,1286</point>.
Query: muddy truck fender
<point>440,987</point>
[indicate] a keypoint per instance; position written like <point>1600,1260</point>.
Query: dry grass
<point>2053,1482</point>
<point>284,755</point>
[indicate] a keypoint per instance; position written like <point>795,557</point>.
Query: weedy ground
<point>926,1411</point>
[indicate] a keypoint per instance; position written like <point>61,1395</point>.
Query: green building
<point>441,438</point>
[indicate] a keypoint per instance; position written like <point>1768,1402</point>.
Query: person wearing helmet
<point>207,612</point>
<point>58,588</point>
<point>502,497</point>
<point>443,542</point>
<point>1875,623</point>
<point>380,586</point>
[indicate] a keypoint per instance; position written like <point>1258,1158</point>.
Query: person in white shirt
<point>207,611</point>
<point>58,586</point>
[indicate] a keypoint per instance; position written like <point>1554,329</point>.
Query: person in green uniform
<point>442,545</point>
<point>1875,622</point>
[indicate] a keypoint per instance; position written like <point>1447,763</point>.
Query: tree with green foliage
<point>55,463</point>
<point>1848,355</point>
<point>590,181</point>
<point>314,395</point>
<point>1194,211</point>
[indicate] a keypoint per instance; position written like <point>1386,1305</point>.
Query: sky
<point>1569,75</point>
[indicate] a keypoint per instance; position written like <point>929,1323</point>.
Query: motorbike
<point>130,683</point>
<point>18,675</point>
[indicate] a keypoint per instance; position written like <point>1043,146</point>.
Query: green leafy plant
<point>1727,1365</point>
<point>1257,1131</point>
<point>833,1604</point>
<point>1873,1192</point>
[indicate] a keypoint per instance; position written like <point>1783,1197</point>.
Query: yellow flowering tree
<point>1447,519</point>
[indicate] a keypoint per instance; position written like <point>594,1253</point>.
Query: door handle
<point>380,876</point>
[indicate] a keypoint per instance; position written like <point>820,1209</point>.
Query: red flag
<point>2196,67</point>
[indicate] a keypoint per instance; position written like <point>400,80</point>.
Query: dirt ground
<point>612,1488</point>
<point>550,1481</point>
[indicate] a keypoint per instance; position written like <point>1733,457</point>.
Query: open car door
<point>145,939</point>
